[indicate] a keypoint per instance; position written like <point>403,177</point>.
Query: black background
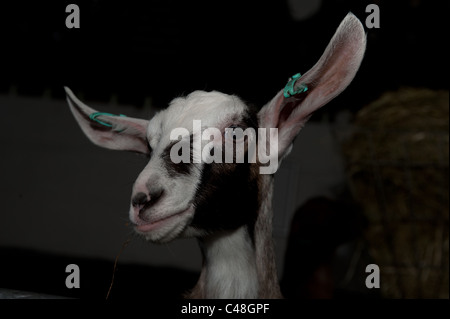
<point>165,49</point>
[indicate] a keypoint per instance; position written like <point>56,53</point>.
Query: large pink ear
<point>325,80</point>
<point>109,131</point>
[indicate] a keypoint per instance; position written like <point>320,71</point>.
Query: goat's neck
<point>264,249</point>
<point>234,265</point>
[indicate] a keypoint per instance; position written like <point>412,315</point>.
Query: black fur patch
<point>181,168</point>
<point>227,196</point>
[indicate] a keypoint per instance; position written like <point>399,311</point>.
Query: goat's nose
<point>142,200</point>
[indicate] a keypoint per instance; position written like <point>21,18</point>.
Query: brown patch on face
<point>227,197</point>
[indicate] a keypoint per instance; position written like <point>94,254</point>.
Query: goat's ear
<point>324,81</point>
<point>113,132</point>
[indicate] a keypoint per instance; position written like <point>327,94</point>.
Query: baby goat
<point>227,206</point>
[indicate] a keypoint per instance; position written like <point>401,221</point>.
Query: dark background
<point>164,49</point>
<point>137,50</point>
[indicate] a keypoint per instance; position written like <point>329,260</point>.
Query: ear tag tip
<point>289,88</point>
<point>93,117</point>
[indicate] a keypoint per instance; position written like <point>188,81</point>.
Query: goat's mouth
<point>168,222</point>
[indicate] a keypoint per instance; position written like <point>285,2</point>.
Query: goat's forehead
<point>213,109</point>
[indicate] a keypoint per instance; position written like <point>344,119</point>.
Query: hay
<point>397,166</point>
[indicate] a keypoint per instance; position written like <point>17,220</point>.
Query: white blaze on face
<point>206,116</point>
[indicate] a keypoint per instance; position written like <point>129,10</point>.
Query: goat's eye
<point>234,133</point>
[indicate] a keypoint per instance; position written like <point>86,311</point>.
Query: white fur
<point>230,266</point>
<point>214,109</point>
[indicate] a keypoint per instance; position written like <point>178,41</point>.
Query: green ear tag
<point>289,88</point>
<point>93,117</point>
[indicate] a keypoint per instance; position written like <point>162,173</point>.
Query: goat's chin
<point>191,232</point>
<point>166,229</point>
